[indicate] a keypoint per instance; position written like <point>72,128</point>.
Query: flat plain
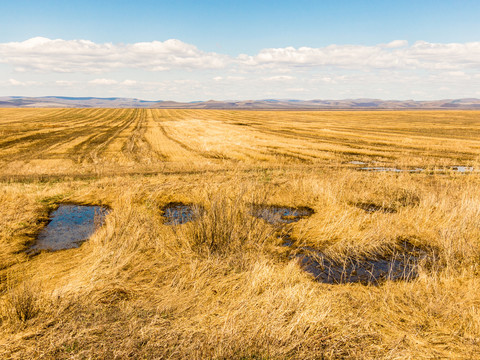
<point>224,285</point>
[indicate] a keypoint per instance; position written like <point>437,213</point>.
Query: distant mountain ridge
<point>267,104</point>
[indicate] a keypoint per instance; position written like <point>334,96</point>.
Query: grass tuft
<point>22,303</point>
<point>226,227</point>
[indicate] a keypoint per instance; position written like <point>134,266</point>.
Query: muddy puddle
<point>373,208</point>
<point>69,226</point>
<point>400,266</point>
<point>459,169</point>
<point>389,169</point>
<point>286,239</point>
<point>278,215</point>
<point>462,169</point>
<point>177,213</point>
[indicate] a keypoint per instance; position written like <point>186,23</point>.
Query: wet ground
<point>277,215</point>
<point>177,213</point>
<point>402,265</point>
<point>72,224</point>
<point>69,226</point>
<point>387,169</point>
<point>286,240</point>
<point>460,169</point>
<point>372,208</point>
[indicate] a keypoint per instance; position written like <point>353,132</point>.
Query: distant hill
<point>267,104</point>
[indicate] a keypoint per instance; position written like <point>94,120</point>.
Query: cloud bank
<point>417,68</point>
<point>421,55</point>
<point>42,54</point>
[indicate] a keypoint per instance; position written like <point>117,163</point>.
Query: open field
<point>223,286</point>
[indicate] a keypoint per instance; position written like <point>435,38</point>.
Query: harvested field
<point>215,215</point>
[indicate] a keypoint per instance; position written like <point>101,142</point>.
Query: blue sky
<point>233,31</point>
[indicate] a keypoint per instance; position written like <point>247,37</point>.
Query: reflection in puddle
<point>178,213</point>
<point>386,169</point>
<point>399,266</point>
<point>286,239</point>
<point>276,215</point>
<point>69,226</point>
<point>462,169</point>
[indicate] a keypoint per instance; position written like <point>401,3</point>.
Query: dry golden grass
<point>223,287</point>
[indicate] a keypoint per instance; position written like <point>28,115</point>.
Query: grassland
<point>222,286</point>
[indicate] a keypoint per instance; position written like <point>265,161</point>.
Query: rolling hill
<point>267,104</point>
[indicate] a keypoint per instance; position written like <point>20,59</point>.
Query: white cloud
<point>354,56</point>
<point>396,54</point>
<point>279,78</point>
<point>396,44</point>
<point>15,82</point>
<point>456,73</point>
<point>103,82</point>
<point>327,79</point>
<point>65,82</point>
<point>396,69</point>
<point>298,89</point>
<point>42,54</point>
<point>235,78</point>
<point>445,56</point>
<point>108,82</point>
<point>47,55</point>
<point>229,78</point>
<point>129,82</point>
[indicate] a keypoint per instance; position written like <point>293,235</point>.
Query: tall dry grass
<point>22,302</point>
<point>222,286</point>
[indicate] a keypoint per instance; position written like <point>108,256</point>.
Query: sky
<point>237,50</point>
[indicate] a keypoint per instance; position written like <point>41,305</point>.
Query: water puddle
<point>372,208</point>
<point>387,169</point>
<point>402,265</point>
<point>276,215</point>
<point>177,213</point>
<point>286,240</point>
<point>69,226</point>
<point>460,169</point>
